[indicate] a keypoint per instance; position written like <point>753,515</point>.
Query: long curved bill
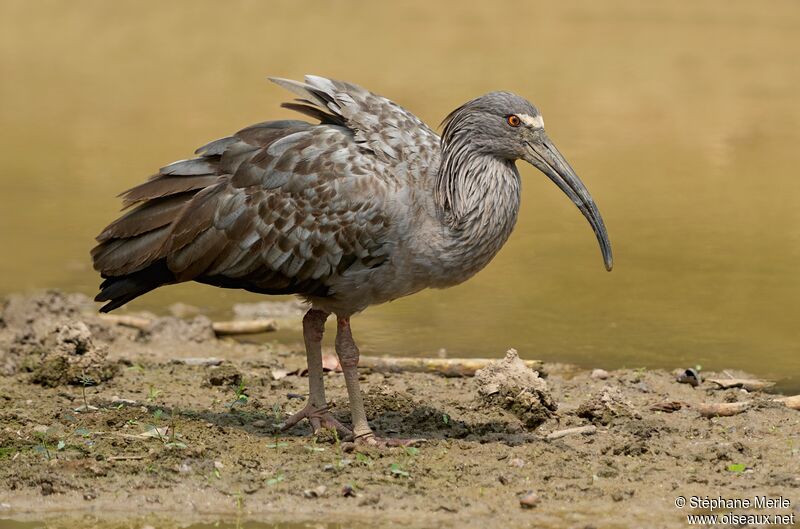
<point>543,155</point>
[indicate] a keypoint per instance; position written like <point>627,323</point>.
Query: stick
<point>790,402</point>
<point>244,327</point>
<point>136,322</point>
<point>221,328</point>
<point>750,384</point>
<point>722,409</point>
<point>449,367</point>
<point>585,430</point>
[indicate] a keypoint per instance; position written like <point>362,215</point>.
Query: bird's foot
<point>320,418</point>
<point>370,439</point>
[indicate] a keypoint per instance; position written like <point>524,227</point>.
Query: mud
<point>184,427</point>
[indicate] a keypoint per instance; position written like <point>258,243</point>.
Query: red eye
<point>513,120</point>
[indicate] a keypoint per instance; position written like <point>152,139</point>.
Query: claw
<point>320,418</point>
<point>370,439</point>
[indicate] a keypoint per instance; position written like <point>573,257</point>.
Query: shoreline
<point>163,429</point>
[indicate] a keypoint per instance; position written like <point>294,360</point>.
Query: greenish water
<point>681,117</point>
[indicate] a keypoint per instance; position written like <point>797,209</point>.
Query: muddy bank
<point>102,418</point>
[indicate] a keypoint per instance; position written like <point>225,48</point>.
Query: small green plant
<point>446,419</point>
<point>43,447</point>
<point>153,393</point>
<point>85,381</point>
<point>276,425</point>
<point>397,470</point>
<point>736,467</point>
<point>239,508</point>
<point>275,479</point>
<point>313,446</point>
<point>241,393</point>
<point>364,459</point>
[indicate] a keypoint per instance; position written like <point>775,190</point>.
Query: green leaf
<point>277,445</point>
<point>446,418</point>
<point>274,481</point>
<point>412,450</point>
<point>736,467</point>
<point>364,459</point>
<point>395,469</point>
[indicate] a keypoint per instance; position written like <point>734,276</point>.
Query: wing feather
<point>278,207</point>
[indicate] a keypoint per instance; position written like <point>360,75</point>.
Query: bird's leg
<point>348,354</point>
<point>316,409</point>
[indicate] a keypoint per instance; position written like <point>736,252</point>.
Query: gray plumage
<point>367,206</point>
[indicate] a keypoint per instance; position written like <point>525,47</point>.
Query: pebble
<point>600,374</point>
<point>218,465</point>
<point>316,492</point>
<point>516,462</point>
<point>348,491</point>
<point>197,361</point>
<point>689,376</point>
<point>529,500</point>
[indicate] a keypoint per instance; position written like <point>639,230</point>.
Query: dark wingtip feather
<point>121,289</point>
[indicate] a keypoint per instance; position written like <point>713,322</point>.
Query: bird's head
<point>507,126</point>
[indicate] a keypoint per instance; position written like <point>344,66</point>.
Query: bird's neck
<point>478,198</point>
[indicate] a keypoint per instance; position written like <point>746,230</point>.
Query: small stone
<point>529,500</point>
<point>218,465</point>
<point>261,423</point>
<point>600,374</point>
<point>502,479</point>
<point>40,429</point>
<point>224,375</point>
<point>689,376</point>
<point>348,491</point>
<point>197,361</point>
<point>516,462</point>
<point>316,492</point>
<point>607,472</point>
<point>617,496</point>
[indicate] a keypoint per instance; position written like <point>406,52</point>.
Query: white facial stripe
<point>532,121</point>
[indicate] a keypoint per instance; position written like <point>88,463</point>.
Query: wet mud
<point>172,422</point>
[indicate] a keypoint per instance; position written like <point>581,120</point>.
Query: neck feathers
<point>478,199</point>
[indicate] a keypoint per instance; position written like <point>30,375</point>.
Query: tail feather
<point>122,289</point>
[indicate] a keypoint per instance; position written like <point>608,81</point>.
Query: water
<point>682,118</point>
